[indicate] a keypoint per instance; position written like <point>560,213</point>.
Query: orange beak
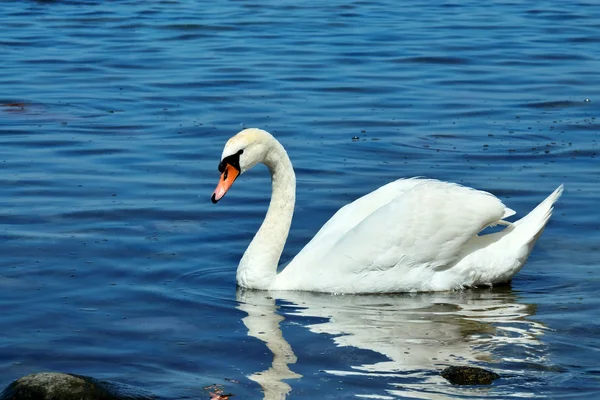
<point>228,176</point>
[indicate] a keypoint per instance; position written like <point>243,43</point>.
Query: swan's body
<point>409,235</point>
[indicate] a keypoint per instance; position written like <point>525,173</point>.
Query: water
<point>115,264</point>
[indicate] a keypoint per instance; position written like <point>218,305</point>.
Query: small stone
<point>469,376</point>
<point>59,386</point>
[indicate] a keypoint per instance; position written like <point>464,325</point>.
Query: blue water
<point>115,264</point>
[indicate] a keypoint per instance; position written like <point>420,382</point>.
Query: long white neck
<point>258,266</point>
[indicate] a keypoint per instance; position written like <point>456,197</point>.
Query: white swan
<point>409,235</point>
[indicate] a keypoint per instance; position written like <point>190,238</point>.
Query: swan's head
<point>242,152</point>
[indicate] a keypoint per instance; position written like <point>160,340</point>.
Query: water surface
<point>115,264</point>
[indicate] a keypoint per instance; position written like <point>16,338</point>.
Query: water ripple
<point>112,122</point>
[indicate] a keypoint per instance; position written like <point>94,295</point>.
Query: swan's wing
<point>349,216</point>
<point>420,231</point>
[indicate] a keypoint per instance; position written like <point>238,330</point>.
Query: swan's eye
<point>233,160</point>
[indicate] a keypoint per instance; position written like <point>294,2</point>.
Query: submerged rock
<point>59,386</point>
<point>469,376</point>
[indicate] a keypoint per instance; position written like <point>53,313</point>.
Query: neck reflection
<point>263,323</point>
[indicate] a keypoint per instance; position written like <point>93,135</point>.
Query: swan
<point>410,235</point>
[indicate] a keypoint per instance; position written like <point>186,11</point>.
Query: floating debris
<point>216,392</point>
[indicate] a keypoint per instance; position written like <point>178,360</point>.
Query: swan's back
<point>347,217</point>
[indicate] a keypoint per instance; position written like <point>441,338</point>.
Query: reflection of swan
<point>418,335</point>
<point>409,235</point>
<point>263,323</point>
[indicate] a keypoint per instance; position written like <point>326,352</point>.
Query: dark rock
<point>468,376</point>
<point>59,386</point>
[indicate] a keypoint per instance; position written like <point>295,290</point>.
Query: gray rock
<point>59,386</point>
<point>469,376</point>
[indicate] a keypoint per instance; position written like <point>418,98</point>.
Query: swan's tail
<point>497,257</point>
<point>529,228</point>
<point>521,237</point>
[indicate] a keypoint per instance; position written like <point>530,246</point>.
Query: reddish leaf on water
<point>216,392</point>
<point>215,396</point>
